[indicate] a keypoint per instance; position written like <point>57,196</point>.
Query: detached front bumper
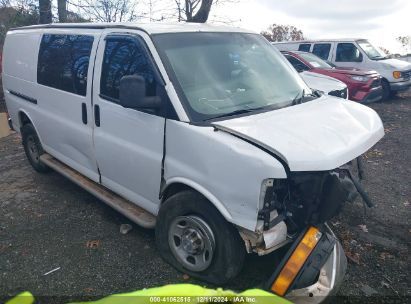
<point>312,270</point>
<point>329,280</point>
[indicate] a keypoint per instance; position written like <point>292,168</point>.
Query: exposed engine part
<point>362,192</point>
<point>310,198</point>
<point>264,241</point>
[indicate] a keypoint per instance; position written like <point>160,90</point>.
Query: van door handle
<point>97,115</point>
<point>84,113</point>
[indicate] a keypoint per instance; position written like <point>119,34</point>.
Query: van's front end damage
<point>287,206</point>
<point>318,143</point>
<point>315,263</point>
<point>306,198</point>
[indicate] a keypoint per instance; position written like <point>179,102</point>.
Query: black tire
<point>386,90</point>
<point>393,94</point>
<point>33,148</point>
<point>229,252</point>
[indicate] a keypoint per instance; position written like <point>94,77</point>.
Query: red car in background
<point>363,85</point>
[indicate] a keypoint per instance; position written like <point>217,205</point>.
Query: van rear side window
<point>63,62</point>
<point>322,50</point>
<point>304,47</point>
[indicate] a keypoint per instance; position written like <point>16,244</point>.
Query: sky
<point>380,21</point>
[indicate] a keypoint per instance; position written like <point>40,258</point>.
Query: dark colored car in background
<point>363,85</point>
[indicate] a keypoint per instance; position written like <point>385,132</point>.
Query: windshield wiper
<point>299,98</point>
<point>236,112</point>
<point>379,57</point>
<point>302,97</point>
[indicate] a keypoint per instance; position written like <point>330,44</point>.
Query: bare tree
<point>405,42</point>
<point>279,32</point>
<point>107,10</point>
<point>194,10</point>
<point>62,10</point>
<point>45,11</point>
<point>199,15</point>
<point>148,10</point>
<point>16,14</point>
<point>385,50</point>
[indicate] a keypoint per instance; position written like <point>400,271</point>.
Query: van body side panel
<point>19,73</point>
<point>20,55</point>
<point>57,116</point>
<point>225,169</point>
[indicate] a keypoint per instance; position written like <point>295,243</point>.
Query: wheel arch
<point>385,79</point>
<point>25,118</point>
<point>178,184</point>
<point>386,87</point>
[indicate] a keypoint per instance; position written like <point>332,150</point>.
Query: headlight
<point>396,74</point>
<point>360,78</point>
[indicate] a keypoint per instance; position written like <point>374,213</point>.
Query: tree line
<point>15,13</point>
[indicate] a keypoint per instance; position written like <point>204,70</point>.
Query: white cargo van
<point>206,133</point>
<point>357,53</point>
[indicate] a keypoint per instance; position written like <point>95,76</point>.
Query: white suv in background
<point>358,53</point>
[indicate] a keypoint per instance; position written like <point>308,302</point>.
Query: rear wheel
<point>192,236</point>
<point>33,148</point>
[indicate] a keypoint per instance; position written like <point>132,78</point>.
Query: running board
<point>125,207</point>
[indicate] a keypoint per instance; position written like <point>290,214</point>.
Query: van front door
<point>128,142</point>
<point>347,54</point>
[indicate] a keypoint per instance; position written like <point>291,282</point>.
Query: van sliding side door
<point>63,115</point>
<point>128,142</point>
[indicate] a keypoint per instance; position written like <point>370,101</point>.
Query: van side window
<point>304,47</point>
<point>63,62</point>
<point>322,50</point>
<point>348,52</point>
<point>124,56</point>
<point>297,64</point>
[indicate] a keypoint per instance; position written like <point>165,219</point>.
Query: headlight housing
<point>396,74</point>
<point>359,78</point>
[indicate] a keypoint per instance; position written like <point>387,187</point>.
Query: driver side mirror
<point>133,94</point>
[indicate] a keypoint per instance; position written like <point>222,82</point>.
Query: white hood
<point>318,135</point>
<point>401,65</point>
<point>321,82</point>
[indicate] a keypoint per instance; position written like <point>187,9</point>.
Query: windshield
<point>315,61</point>
<point>219,74</point>
<point>374,53</point>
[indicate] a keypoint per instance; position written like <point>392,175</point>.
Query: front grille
<point>406,74</point>
<point>339,93</point>
<point>376,83</point>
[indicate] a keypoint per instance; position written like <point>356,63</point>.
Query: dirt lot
<point>48,222</point>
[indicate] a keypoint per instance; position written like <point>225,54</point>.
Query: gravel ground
<point>47,222</point>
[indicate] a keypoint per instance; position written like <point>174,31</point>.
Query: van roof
<point>149,28</point>
<point>320,40</point>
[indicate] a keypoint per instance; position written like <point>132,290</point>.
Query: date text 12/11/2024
<point>204,299</point>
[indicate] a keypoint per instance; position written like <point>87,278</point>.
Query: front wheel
<point>386,90</point>
<point>192,236</point>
